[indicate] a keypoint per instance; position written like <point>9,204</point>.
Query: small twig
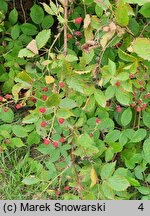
<point>52,125</point>
<point>23,11</point>
<point>65,25</point>
<point>144,29</point>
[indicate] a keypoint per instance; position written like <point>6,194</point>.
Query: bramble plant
<point>75,100</point>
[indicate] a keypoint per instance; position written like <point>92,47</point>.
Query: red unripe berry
<point>44,97</point>
<point>139,101</point>
<point>134,94</point>
<point>132,104</point>
<point>42,109</point>
<point>43,124</point>
<point>66,188</point>
<point>46,141</point>
<point>140,82</point>
<point>145,96</point>
<point>1,98</point>
<point>61,120</point>
<point>45,89</point>
<point>118,83</point>
<point>91,134</point>
<point>148,95</point>
<point>62,139</point>
<point>5,109</point>
<point>69,36</point>
<point>138,109</point>
<point>18,106</point>
<point>55,144</point>
<point>118,109</point>
<point>7,141</point>
<point>144,106</point>
<point>78,33</point>
<point>117,45</point>
<point>33,99</point>
<point>61,84</point>
<point>107,103</point>
<point>8,96</point>
<point>78,20</point>
<point>131,76</point>
<point>57,192</point>
<point>98,120</point>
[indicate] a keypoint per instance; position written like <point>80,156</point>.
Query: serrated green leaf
<point>100,97</point>
<point>146,150</point>
<point>121,13</point>
<point>53,100</point>
<point>36,14</point>
<point>17,142</point>
<point>19,131</point>
<point>145,44</point>
<point>126,117</point>
<point>42,38</point>
<point>13,16</point>
<point>64,113</point>
<point>139,135</point>
<point>107,170</point>
<point>146,119</point>
<point>25,53</point>
<point>118,183</point>
<point>31,180</point>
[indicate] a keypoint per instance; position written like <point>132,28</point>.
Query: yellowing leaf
<point>33,47</point>
<point>94,177</point>
<point>49,79</point>
<point>87,21</point>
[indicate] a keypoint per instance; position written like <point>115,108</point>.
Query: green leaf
<point>17,142</point>
<point>100,97</point>
<point>112,136</point>
<point>98,11</point>
<point>118,183</point>
<point>33,138</point>
<point>48,9</point>
<point>109,153</point>
<point>53,100</point>
<point>145,10</point>
<point>111,67</point>
<point>31,180</point>
<point>133,181</point>
<point>125,56</point>
<point>107,190</point>
<point>13,16</point>
<point>123,76</point>
<point>146,150</point>
<point>139,135</point>
<point>110,92</point>
<point>19,131</point>
<point>71,58</point>
<point>47,22</point>
<point>37,14</point>
<point>122,97</point>
<point>103,5</point>
<point>31,118</point>
<point>144,190</point>
<point>7,116</point>
<point>29,29</point>
<point>15,32</point>
<point>107,170</point>
<point>146,119</point>
<point>126,116</point>
<point>68,103</point>
<point>75,84</point>
<point>64,113</point>
<point>84,140</point>
<point>25,77</point>
<point>25,53</point>
<point>121,13</point>
<point>145,44</point>
<point>42,38</point>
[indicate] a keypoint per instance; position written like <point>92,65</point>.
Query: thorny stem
<point>24,15</point>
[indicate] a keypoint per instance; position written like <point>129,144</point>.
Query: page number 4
<point>141,207</point>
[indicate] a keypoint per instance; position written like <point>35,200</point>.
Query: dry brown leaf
<point>33,47</point>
